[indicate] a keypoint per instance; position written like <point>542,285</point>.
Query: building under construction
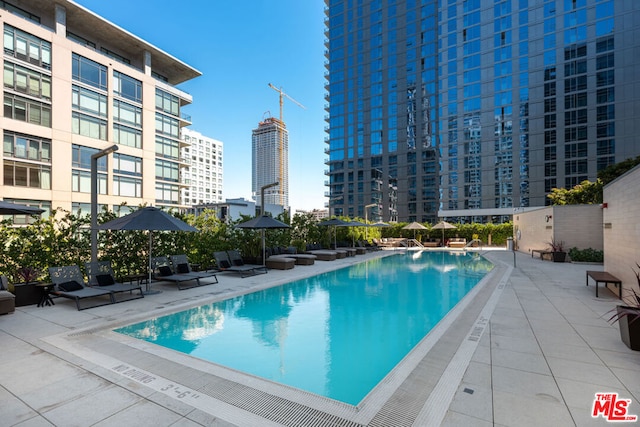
<point>270,162</point>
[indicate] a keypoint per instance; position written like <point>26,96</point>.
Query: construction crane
<point>281,140</point>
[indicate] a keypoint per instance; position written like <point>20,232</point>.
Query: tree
<point>585,193</point>
<point>611,172</point>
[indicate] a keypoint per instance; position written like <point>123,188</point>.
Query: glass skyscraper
<point>470,109</point>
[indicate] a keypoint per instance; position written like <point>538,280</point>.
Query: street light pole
<point>94,198</point>
<point>366,221</point>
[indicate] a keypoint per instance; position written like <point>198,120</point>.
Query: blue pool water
<point>336,334</point>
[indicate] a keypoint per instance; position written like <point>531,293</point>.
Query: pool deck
<point>529,346</point>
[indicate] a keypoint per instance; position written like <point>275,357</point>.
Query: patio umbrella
<point>8,208</point>
<point>335,222</point>
<point>414,226</point>
<point>353,224</point>
<point>150,219</point>
<point>375,224</point>
<point>443,225</point>
<point>263,222</point>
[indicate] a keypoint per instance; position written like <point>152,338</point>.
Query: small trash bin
<point>509,243</point>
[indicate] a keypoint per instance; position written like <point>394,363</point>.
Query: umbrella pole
<point>149,280</point>
<point>264,250</point>
<point>148,290</point>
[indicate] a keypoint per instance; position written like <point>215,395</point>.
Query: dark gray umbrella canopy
<point>263,222</point>
<point>334,221</point>
<point>148,218</point>
<point>353,224</point>
<point>378,224</point>
<point>8,208</point>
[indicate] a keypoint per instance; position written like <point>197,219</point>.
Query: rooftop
<point>529,346</point>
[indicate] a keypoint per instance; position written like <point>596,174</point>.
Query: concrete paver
<point>546,351</point>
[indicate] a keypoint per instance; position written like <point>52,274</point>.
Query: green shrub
<point>586,255</point>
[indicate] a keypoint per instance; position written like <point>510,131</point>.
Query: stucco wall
<point>621,230</point>
<point>577,226</point>
<point>533,229</point>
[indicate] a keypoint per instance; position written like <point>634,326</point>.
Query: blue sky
<point>240,47</point>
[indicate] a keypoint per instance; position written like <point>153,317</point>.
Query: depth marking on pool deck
<point>436,407</point>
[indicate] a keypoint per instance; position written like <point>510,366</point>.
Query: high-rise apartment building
<point>270,162</point>
<point>472,109</point>
<point>75,84</point>
<point>203,174</point>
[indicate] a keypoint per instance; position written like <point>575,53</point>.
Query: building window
<point>167,126</point>
<point>111,54</point>
<point>127,114</point>
<point>21,79</point>
<point>127,87</point>
<point>126,186</point>
<point>27,147</point>
<point>167,148</point>
<point>88,101</point>
<point>127,165</point>
<point>85,125</point>
<point>25,110</point>
<point>81,158</point>
<point>89,72</point>
<point>167,103</point>
<point>127,136</point>
<point>167,193</point>
<point>81,182</point>
<point>167,171</point>
<point>81,40</point>
<point>19,174</point>
<point>27,47</point>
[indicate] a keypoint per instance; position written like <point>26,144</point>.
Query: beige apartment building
<point>74,84</point>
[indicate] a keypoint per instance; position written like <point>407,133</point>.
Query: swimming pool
<point>336,334</point>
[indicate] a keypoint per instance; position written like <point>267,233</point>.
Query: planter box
<point>629,326</point>
<point>26,294</point>
<point>559,256</point>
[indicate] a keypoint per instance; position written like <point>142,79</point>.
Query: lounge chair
<point>7,299</point>
<point>162,272</point>
<point>291,252</point>
<point>224,263</point>
<point>366,246</point>
<point>322,254</point>
<point>457,242</point>
<point>101,275</point>
<point>280,263</point>
<point>69,283</point>
<point>181,265</point>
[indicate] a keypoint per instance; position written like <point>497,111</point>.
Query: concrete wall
<point>621,229</point>
<point>577,226</point>
<point>533,229</point>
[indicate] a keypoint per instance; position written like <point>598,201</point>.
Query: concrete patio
<point>530,347</point>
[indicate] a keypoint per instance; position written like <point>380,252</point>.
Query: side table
<point>46,294</point>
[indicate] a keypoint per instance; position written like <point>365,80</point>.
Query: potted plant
<point>627,317</point>
<point>557,250</point>
<point>26,292</point>
<point>28,274</point>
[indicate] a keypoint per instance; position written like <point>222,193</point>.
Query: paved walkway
<point>531,348</point>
